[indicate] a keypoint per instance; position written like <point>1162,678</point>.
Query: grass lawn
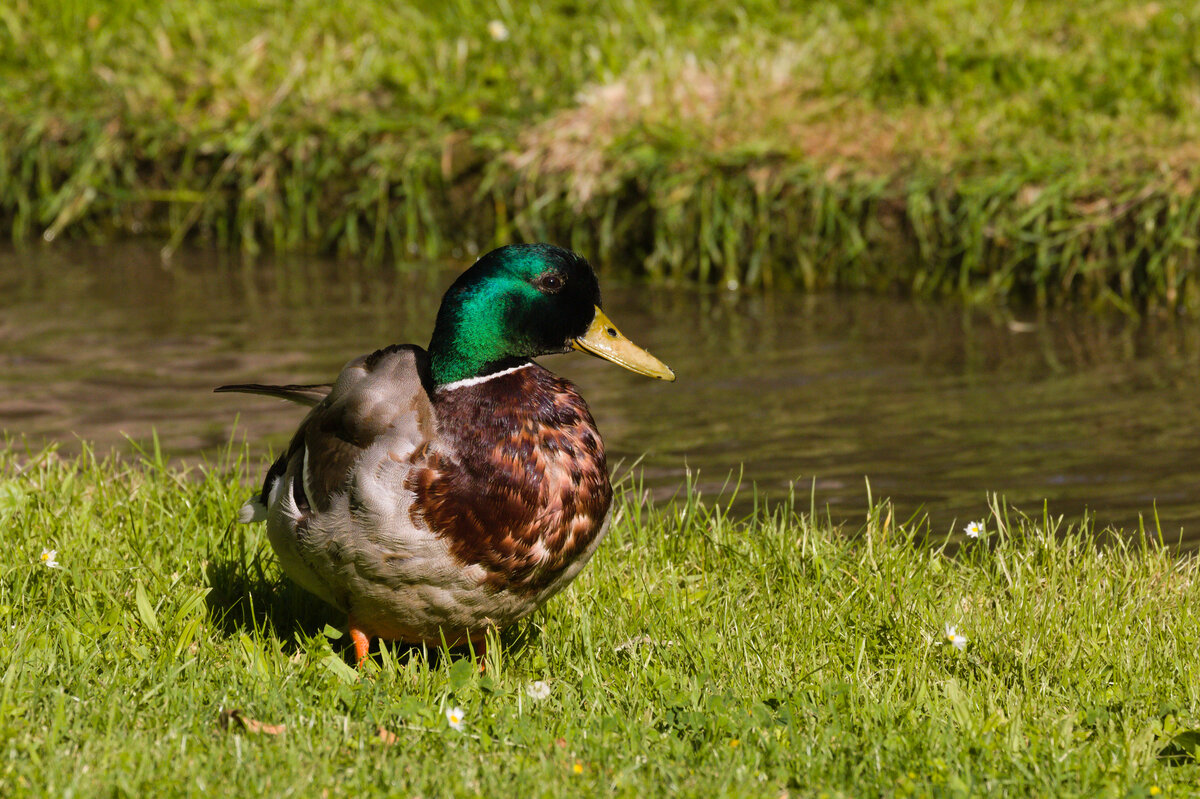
<point>990,150</point>
<point>698,655</point>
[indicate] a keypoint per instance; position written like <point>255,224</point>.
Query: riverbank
<point>698,655</point>
<point>995,152</point>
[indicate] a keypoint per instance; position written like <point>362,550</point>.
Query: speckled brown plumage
<point>520,485</point>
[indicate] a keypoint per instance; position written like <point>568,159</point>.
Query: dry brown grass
<point>764,106</point>
<point>771,111</point>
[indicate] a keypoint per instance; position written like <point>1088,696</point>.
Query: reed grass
<point>989,151</point>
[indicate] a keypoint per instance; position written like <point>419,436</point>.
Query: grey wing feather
<point>310,395</point>
<point>384,393</point>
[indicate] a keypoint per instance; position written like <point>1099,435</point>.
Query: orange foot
<point>362,641</point>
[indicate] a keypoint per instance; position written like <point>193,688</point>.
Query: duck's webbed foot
<point>361,639</point>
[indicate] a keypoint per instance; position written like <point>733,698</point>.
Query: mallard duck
<point>432,495</point>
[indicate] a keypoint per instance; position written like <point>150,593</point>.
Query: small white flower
<point>959,642</point>
<point>454,715</point>
<point>974,529</point>
<point>538,690</point>
<point>497,30</point>
<point>50,558</point>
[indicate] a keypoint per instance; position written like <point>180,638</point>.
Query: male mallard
<point>432,495</point>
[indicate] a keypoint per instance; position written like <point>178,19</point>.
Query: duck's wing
<point>382,394</point>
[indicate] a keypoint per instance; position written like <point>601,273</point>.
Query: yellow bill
<point>603,340</point>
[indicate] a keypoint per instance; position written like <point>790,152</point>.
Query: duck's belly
<point>430,597</point>
<point>370,556</point>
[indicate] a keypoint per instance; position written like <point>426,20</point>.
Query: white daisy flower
<point>974,529</point>
<point>454,715</point>
<point>538,690</point>
<point>497,30</point>
<point>50,558</point>
<point>959,642</point>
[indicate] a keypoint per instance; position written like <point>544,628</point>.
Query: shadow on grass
<point>249,600</point>
<point>250,596</point>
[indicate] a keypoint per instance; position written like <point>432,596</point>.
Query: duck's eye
<point>550,283</point>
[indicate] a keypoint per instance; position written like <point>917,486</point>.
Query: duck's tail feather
<point>257,507</point>
<point>304,395</point>
<point>253,511</point>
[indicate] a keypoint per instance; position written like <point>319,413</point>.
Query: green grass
<point>698,655</point>
<point>1038,151</point>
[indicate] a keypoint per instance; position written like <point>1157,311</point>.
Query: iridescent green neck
<point>473,335</point>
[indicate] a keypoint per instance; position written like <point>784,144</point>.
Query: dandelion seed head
<point>538,690</point>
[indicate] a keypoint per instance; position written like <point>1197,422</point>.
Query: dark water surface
<point>936,405</point>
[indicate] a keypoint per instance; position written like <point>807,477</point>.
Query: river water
<point>935,405</point>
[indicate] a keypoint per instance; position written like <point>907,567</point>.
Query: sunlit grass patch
<point>701,653</point>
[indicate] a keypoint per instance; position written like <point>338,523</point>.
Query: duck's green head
<point>522,301</point>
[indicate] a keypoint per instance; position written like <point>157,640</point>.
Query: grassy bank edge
<point>983,151</point>
<point>756,222</point>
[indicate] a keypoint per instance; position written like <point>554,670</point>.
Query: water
<point>936,405</point>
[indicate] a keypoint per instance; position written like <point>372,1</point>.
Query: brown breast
<point>519,484</point>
